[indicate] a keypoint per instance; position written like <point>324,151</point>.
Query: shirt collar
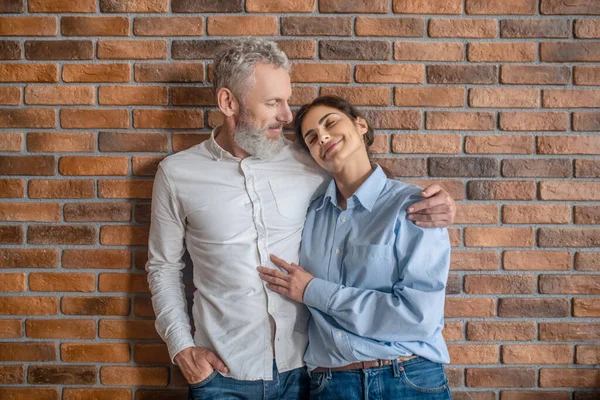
<point>367,194</point>
<point>215,150</point>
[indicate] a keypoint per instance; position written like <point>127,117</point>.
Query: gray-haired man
<point>231,201</point>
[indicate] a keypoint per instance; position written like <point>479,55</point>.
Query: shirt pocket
<point>291,202</point>
<point>370,266</point>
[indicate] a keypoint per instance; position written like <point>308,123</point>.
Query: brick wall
<point>498,100</point>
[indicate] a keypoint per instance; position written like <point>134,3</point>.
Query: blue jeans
<point>289,385</point>
<point>414,379</point>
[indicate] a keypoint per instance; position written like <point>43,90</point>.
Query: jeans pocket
<point>317,383</point>
<point>204,381</point>
<point>424,376</point>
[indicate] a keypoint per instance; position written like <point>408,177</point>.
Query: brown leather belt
<point>363,365</point>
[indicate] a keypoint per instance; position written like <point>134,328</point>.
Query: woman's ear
<point>227,102</point>
<point>363,126</point>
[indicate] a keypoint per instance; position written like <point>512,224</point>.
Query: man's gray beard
<point>254,140</point>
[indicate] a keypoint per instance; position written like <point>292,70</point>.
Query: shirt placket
<point>261,233</point>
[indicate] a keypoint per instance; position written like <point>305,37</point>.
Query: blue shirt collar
<point>367,194</point>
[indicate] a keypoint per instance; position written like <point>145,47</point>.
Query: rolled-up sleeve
<point>165,251</point>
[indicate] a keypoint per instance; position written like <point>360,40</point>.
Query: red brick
<point>429,51</point>
<point>16,72</point>
<point>169,26</point>
<point>320,73</point>
<point>316,26</point>
<point>12,234</point>
<point>501,190</point>
<point>569,7</point>
<point>501,331</point>
<point>500,284</point>
<point>453,331</point>
<point>533,308</point>
<point>427,7</point>
<point>13,282</point>
<point>96,394</point>
<point>170,72</point>
<point>535,28</point>
<point>569,331</point>
<point>84,212</point>
<point>469,260</point>
<point>501,377</point>
<point>12,188</point>
<point>168,119</point>
<point>361,96</point>
<point>62,234</point>
<point>11,50</point>
<point>426,143</point>
<point>504,98</point>
<point>11,328</point>
<point>124,235</point>
<point>133,95</point>
<point>93,165</point>
<point>389,73</point>
<point>586,307</point>
<point>432,96</point>
<point>11,374</point>
<point>570,378</point>
<point>62,375</point>
<point>146,166</point>
<point>475,121</point>
<point>243,25</point>
<point>196,96</point>
<point>476,214</point>
<point>354,49</point>
<point>143,376</point>
<point>62,282</point>
<point>59,49</point>
<point>571,98</point>
<point>573,284</point>
<point>28,26</point>
<point>586,75</point>
<point>404,166</point>
<point>11,141</point>
<point>534,121</point>
<point>31,305</point>
<point>587,214</point>
<point>151,353</point>
<point>74,118</point>
<point>568,144</point>
<point>132,49</point>
<point>492,7</point>
<point>28,258</point>
<point>12,6</point>
<point>502,52</point>
<point>27,165</point>
<point>60,142</point>
<point>27,118</point>
<point>499,237</point>
<point>462,28</point>
<point>119,282</point>
<point>125,189</point>
<point>587,354</point>
<point>536,214</point>
<point>586,121</point>
<point>570,51</point>
<point>536,168</point>
<point>473,353</point>
<point>392,27</point>
<point>62,6</point>
<point>96,73</point>
<point>10,96</point>
<point>61,189</point>
<point>298,49</point>
<point>95,352</point>
<point>95,26</point>
<point>342,6</point>
<point>470,308</point>
<point>575,190</point>
<point>536,260</point>
<point>550,237</point>
<point>127,329</point>
<point>142,307</point>
<point>28,351</point>
<point>134,6</point>
<point>61,328</point>
<point>455,188</point>
<point>39,393</point>
<point>95,305</point>
<point>96,258</point>
<point>535,75</point>
<point>587,261</point>
<point>499,144</point>
<point>30,212</point>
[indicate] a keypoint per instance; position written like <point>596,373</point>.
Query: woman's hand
<point>437,210</point>
<point>293,284</point>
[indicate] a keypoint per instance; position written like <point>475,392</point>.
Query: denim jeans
<point>414,379</point>
<point>289,385</point>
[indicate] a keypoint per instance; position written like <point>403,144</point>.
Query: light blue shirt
<point>379,285</point>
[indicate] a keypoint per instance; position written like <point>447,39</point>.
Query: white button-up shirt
<point>230,214</point>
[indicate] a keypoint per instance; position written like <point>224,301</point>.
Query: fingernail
<point>410,209</point>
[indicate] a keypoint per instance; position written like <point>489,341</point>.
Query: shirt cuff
<point>178,341</point>
<point>318,294</point>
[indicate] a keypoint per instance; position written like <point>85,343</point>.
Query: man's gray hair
<point>234,64</point>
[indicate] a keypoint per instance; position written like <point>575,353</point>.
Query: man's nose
<point>286,115</point>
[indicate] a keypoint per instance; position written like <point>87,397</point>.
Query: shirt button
<point>339,333</point>
<point>343,220</point>
<point>337,251</point>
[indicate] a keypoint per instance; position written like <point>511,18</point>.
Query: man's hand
<point>437,210</point>
<point>293,284</point>
<point>197,363</point>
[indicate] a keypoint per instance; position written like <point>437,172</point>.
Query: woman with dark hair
<point>374,281</point>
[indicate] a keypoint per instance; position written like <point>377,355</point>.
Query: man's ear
<point>227,102</point>
<point>362,125</point>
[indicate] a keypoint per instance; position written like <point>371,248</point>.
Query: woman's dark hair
<point>339,104</point>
